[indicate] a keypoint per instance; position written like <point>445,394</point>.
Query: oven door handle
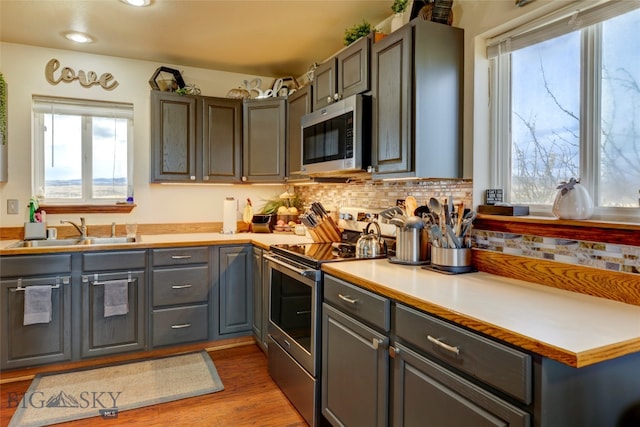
<point>309,273</point>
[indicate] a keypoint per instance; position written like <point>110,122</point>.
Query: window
<point>566,103</point>
<point>82,150</point>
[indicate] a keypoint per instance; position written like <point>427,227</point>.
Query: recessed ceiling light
<point>78,37</point>
<point>137,3</point>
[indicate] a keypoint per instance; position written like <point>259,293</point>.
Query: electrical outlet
<point>12,207</point>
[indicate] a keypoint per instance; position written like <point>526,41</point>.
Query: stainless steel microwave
<point>337,138</point>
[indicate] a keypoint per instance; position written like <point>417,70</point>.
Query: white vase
<point>574,204</point>
<point>397,21</point>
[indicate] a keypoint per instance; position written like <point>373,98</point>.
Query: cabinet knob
<point>371,169</point>
<point>336,96</point>
<point>192,178</point>
<point>244,179</point>
<point>329,99</point>
<point>393,352</point>
<point>376,342</point>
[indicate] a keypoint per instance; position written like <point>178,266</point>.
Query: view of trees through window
<point>546,96</point>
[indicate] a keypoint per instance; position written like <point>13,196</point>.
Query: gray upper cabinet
<point>264,140</point>
<point>195,138</point>
<point>345,74</point>
<point>298,105</point>
<point>417,91</point>
<point>173,137</point>
<point>221,139</point>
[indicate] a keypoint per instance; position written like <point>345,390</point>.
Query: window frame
<point>499,56</point>
<point>79,107</point>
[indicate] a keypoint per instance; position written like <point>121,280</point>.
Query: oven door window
<point>291,302</point>
<point>328,140</point>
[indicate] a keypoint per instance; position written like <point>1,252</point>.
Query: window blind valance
<point>81,107</point>
<point>578,15</point>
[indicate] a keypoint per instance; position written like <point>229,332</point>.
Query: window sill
<point>63,209</point>
<point>621,233</point>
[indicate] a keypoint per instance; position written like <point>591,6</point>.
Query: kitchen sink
<point>107,240</point>
<point>44,243</point>
<point>71,242</point>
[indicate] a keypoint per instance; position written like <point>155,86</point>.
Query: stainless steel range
<point>295,294</point>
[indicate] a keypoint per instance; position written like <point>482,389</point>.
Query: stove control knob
<point>346,216</point>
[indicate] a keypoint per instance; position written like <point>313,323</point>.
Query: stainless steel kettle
<point>371,244</point>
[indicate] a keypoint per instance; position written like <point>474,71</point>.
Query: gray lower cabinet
<point>260,298</point>
<point>235,288</point>
<point>102,334</point>
<point>355,361</point>
<point>39,343</point>
<point>427,394</point>
<point>448,399</point>
<point>180,295</point>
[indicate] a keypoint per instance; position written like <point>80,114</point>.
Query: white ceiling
<point>269,38</point>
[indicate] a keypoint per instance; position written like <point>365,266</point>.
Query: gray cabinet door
<point>355,378</point>
<point>417,102</point>
<point>236,299</point>
<point>324,83</point>
<point>354,65</point>
<point>221,139</point>
<point>113,334</point>
<point>425,393</point>
<point>38,343</point>
<point>264,140</point>
<point>298,105</point>
<point>256,282</point>
<point>392,93</point>
<point>173,137</point>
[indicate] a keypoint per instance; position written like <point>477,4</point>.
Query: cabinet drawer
<point>180,325</point>
<point>180,285</point>
<point>424,390</point>
<point>365,305</point>
<point>31,265</point>
<point>500,366</point>
<point>178,256</point>
<point>114,260</point>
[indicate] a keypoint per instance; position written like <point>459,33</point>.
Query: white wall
<point>23,69</point>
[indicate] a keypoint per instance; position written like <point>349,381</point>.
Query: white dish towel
<point>116,297</point>
<point>37,304</point>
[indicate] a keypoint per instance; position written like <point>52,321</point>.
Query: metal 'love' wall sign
<point>68,75</point>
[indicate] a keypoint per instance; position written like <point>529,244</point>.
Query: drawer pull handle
<point>182,326</point>
<point>302,312</point>
<point>180,256</point>
<point>187,285</point>
<point>442,345</point>
<point>347,298</point>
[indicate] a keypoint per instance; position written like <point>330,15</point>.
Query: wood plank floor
<point>249,398</point>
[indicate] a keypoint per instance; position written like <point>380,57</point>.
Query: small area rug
<point>56,398</point>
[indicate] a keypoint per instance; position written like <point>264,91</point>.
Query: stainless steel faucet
<point>82,228</point>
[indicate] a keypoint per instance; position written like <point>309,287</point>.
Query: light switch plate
<point>12,207</point>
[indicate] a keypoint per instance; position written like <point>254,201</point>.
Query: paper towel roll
<point>229,216</point>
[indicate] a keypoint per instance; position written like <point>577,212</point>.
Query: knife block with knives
<point>321,227</point>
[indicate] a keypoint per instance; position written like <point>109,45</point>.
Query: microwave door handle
<point>307,272</point>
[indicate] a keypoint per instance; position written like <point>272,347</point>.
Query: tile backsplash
<point>605,256</point>
<point>383,194</point>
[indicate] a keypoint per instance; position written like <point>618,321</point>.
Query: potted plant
<point>398,7</point>
<point>359,30</point>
